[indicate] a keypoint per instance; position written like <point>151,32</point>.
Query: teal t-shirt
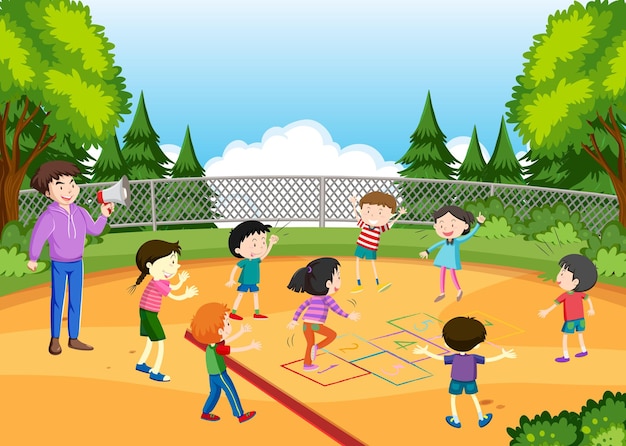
<point>215,363</point>
<point>250,271</point>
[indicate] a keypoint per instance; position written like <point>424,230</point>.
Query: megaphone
<point>118,193</point>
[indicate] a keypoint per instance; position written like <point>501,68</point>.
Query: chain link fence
<point>322,200</point>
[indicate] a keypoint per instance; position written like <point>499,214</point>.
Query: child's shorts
<point>457,387</point>
<point>244,287</point>
<point>150,325</point>
<point>570,327</point>
<point>364,253</point>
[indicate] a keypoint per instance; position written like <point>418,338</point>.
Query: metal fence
<point>312,199</point>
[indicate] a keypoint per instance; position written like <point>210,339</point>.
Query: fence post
<point>153,202</point>
<point>322,202</point>
<point>493,189</point>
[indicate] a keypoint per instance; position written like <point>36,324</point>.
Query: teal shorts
<point>364,253</point>
<point>570,327</point>
<point>150,325</point>
<point>457,387</point>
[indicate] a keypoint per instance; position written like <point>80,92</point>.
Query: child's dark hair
<point>582,269</point>
<point>243,230</point>
<point>463,333</point>
<point>150,252</point>
<point>313,277</point>
<point>457,212</point>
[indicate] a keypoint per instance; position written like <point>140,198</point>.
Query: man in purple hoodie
<point>64,225</point>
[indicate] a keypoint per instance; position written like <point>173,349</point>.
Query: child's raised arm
<point>401,211</point>
<point>190,291</point>
<point>231,280</point>
<point>424,351</point>
<point>182,277</point>
<point>273,241</point>
<point>353,200</point>
<point>254,345</point>
<point>505,354</point>
<point>245,328</point>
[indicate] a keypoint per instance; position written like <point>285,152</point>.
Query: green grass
<point>118,249</point>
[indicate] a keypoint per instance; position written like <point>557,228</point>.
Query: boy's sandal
<point>143,367</point>
<point>159,377</point>
<point>451,422</point>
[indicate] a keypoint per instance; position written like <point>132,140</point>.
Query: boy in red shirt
<point>578,274</point>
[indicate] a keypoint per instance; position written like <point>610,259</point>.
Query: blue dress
<point>450,253</point>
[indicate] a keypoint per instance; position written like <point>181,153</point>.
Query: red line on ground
<point>303,411</point>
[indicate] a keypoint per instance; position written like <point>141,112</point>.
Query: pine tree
<point>187,164</point>
<point>141,150</point>
<point>110,165</point>
<point>428,156</point>
<point>474,163</point>
<point>503,167</point>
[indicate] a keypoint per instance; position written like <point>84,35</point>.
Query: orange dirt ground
<point>98,398</point>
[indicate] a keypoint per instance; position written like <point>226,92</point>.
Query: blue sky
<point>232,70</point>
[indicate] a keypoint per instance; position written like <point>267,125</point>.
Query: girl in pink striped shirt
<point>320,278</point>
<point>158,259</point>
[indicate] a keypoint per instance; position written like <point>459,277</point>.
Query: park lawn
<point>118,249</point>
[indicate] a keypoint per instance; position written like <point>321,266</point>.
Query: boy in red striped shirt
<point>374,218</point>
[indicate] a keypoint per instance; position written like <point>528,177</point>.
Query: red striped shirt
<point>153,295</point>
<point>370,235</point>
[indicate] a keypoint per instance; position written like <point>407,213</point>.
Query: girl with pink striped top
<point>158,259</point>
<point>320,278</point>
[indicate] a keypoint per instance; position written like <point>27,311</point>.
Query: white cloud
<point>301,148</point>
<point>458,148</point>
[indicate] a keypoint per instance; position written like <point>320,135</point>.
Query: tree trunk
<point>620,191</point>
<point>10,183</point>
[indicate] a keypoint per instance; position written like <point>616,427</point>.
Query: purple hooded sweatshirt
<point>65,232</point>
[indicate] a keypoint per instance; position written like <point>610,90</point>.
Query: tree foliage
<point>110,165</point>
<point>473,166</point>
<point>503,166</point>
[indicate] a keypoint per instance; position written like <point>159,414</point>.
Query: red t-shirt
<point>572,304</point>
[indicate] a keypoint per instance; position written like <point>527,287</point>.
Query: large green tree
<point>575,74</point>
<point>474,164</point>
<point>503,166</point>
<point>110,165</point>
<point>187,164</point>
<point>428,156</point>
<point>141,150</point>
<point>55,62</point>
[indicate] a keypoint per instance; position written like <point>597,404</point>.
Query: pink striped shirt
<point>317,309</point>
<point>370,235</point>
<point>153,295</point>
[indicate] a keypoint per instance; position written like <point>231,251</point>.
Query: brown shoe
<point>54,348</point>
<point>78,345</point>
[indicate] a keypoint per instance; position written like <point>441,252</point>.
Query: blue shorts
<point>457,387</point>
<point>364,253</point>
<point>570,327</point>
<point>248,287</point>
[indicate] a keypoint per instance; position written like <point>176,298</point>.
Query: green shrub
<point>613,436</point>
<point>561,234</point>
<point>545,430</point>
<point>15,234</point>
<point>599,417</point>
<point>495,227</point>
<point>542,220</point>
<point>13,262</point>
<point>611,262</point>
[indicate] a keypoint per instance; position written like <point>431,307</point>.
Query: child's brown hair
<point>380,199</point>
<point>150,252</point>
<point>463,333</point>
<point>207,321</point>
<point>52,170</point>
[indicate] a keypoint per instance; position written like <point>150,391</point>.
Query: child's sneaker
<point>159,377</point>
<point>357,289</point>
<point>209,417</point>
<point>246,416</point>
<point>310,368</point>
<point>441,296</point>
<point>143,367</point>
<point>235,317</point>
<point>485,421</point>
<point>451,422</point>
<point>562,359</point>
<point>581,354</point>
<point>259,316</point>
<point>313,352</point>
<point>459,295</point>
<point>383,287</point>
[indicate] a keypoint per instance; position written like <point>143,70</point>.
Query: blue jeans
<point>68,274</point>
<point>217,383</point>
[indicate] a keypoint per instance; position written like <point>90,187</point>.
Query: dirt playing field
<point>370,385</point>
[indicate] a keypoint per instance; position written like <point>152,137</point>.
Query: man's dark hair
<point>582,269</point>
<point>52,170</point>
<point>463,333</point>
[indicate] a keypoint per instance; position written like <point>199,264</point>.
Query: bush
<point>13,262</point>
<point>611,262</point>
<point>607,250</point>
<point>547,430</point>
<point>546,220</point>
<point>499,220</point>
<point>561,234</point>
<point>613,436</point>
<point>603,418</point>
